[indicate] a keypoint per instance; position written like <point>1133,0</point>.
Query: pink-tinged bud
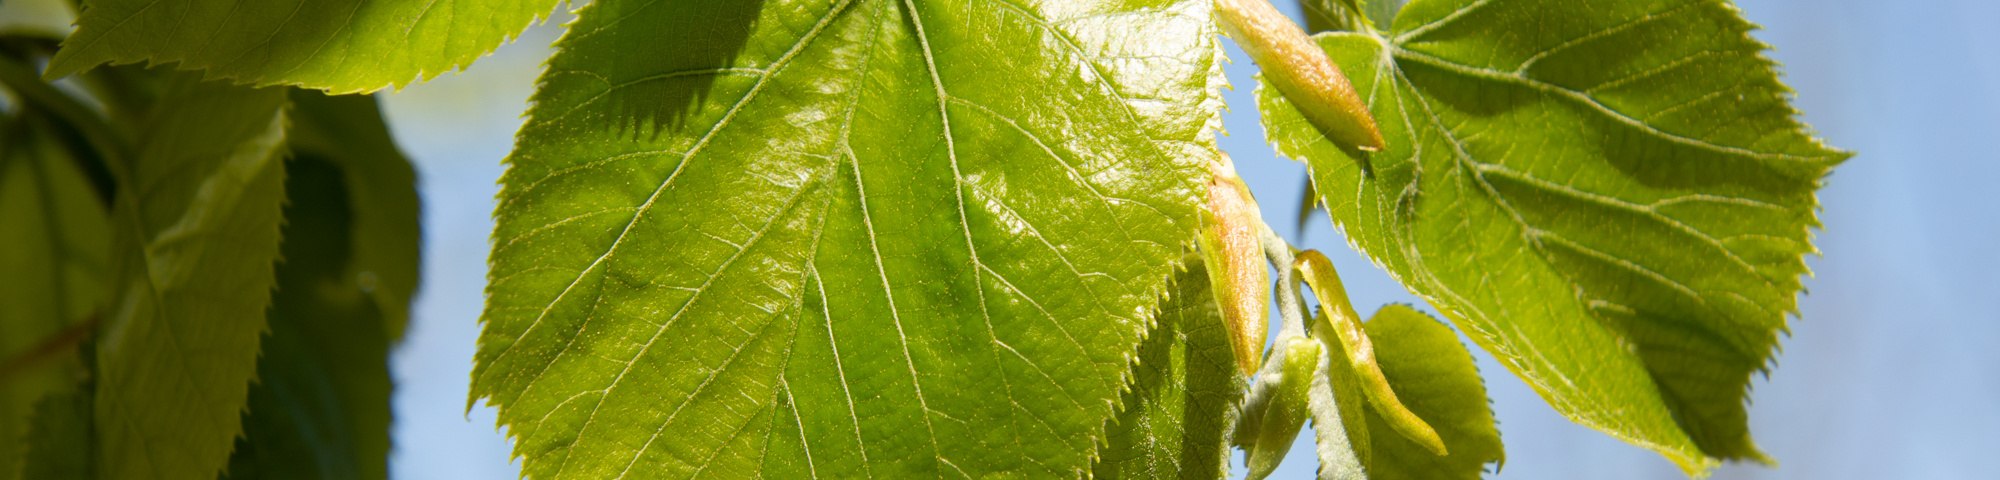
<point>1301,71</point>
<point>1232,247</point>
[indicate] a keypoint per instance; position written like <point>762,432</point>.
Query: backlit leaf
<point>898,239</point>
<point>342,46</point>
<point>1434,375</point>
<point>1612,198</point>
<point>1184,394</point>
<point>195,234</point>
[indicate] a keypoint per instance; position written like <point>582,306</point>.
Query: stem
<point>1264,386</point>
<point>104,143</point>
<point>50,348</point>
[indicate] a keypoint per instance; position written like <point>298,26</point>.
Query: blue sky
<point>1889,373</point>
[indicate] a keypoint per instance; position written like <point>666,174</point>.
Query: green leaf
<point>52,276</point>
<point>320,408</point>
<point>343,46</point>
<point>195,234</point>
<point>1613,199</point>
<point>61,445</point>
<point>381,191</point>
<point>1184,392</point>
<point>1434,376</point>
<point>1337,397</point>
<point>1288,408</point>
<point>895,239</point>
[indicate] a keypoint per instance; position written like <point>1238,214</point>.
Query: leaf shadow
<point>666,70</point>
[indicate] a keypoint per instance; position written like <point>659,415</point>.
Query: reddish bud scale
<point>1301,71</point>
<point>1232,247</point>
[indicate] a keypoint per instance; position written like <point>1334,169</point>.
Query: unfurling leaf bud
<point>1232,247</point>
<point>1288,410</point>
<point>1301,71</point>
<point>1341,324</point>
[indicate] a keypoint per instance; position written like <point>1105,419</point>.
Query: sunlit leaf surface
<point>1612,198</point>
<point>1434,376</point>
<point>342,46</point>
<point>1184,394</point>
<point>889,239</point>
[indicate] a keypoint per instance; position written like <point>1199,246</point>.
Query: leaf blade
<point>853,251</point>
<point>320,407</point>
<point>1173,422</point>
<point>56,231</point>
<point>1596,157</point>
<point>195,236</point>
<point>1436,376</point>
<point>342,47</point>
<point>348,130</point>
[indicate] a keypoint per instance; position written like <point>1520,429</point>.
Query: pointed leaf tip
<point>1340,319</point>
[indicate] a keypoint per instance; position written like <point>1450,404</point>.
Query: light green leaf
<point>54,229</point>
<point>195,234</point>
<point>1612,198</point>
<point>1337,398</point>
<point>343,46</point>
<point>1434,376</point>
<point>320,407</point>
<point>896,239</point>
<point>382,194</point>
<point>1184,392</point>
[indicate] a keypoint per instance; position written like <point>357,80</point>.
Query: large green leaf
<point>1185,391</point>
<point>343,46</point>
<point>1434,376</point>
<point>320,408</point>
<point>195,234</point>
<point>1612,198</point>
<point>381,192</point>
<point>896,239</point>
<point>54,229</point>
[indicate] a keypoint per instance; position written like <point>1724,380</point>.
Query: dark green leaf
<point>320,408</point>
<point>1434,376</point>
<point>54,230</point>
<point>195,234</point>
<point>61,439</point>
<point>382,195</point>
<point>896,239</point>
<point>343,46</point>
<point>1613,199</point>
<point>1184,394</point>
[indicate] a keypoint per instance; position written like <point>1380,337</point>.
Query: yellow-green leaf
<point>342,46</point>
<point>1424,360</point>
<point>1612,198</point>
<point>887,238</point>
<point>1184,392</point>
<point>195,235</point>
